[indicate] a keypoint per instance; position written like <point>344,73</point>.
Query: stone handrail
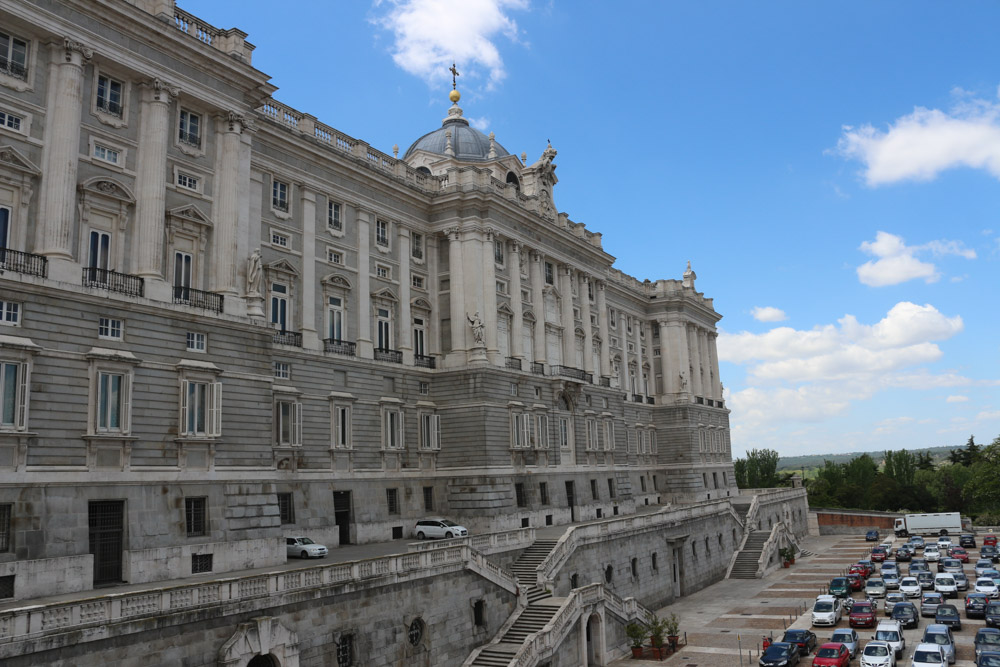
<point>34,621</point>
<point>232,41</point>
<point>508,540</point>
<point>779,533</point>
<point>604,530</point>
<point>750,522</point>
<point>773,494</point>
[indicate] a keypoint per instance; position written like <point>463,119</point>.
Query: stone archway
<point>263,642</point>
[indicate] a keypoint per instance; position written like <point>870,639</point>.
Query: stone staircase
<point>526,566</point>
<point>746,560</point>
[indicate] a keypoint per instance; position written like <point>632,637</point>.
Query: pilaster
<point>516,304</point>
<point>538,302</point>
<point>695,359</point>
<point>640,385</point>
<point>713,355</point>
<point>706,371</point>
<point>490,298</point>
<point>602,325</point>
<point>227,219</point>
<point>668,346</point>
<point>365,349</point>
<point>651,359</point>
<point>307,206</point>
<point>566,317</point>
<point>434,290</point>
<point>457,355</point>
<point>405,319</point>
<point>588,331</point>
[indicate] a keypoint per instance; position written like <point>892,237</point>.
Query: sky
<point>830,170</point>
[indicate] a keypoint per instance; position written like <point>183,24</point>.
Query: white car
<point>928,655</point>
<point>910,587</point>
<point>944,542</point>
<point>826,610</point>
<point>891,632</point>
<point>878,654</point>
<point>944,583</point>
<point>987,586</point>
<point>932,553</point>
<point>433,528</point>
<point>303,547</point>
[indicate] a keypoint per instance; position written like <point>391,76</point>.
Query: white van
<point>892,633</point>
<point>945,584</point>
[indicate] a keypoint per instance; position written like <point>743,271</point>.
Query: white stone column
<point>60,158</point>
<point>538,300</point>
<point>681,371</point>
<point>713,355</point>
<point>706,370</point>
<point>695,359</point>
<point>668,345</point>
<point>566,317</point>
<point>405,318</point>
<point>517,321</point>
<point>588,331</point>
<point>307,205</point>
<point>602,324</point>
<point>457,297</point>
<point>365,348</point>
<point>226,222</point>
<point>151,178</point>
<point>433,289</point>
<point>650,359</point>
<point>490,298</point>
<point>640,386</point>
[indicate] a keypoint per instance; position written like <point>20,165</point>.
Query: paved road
<point>733,613</point>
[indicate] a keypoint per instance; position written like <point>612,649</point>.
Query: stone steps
<point>745,566</point>
<point>531,620</point>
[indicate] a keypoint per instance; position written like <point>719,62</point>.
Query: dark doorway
<point>571,500</point>
<point>263,661</point>
<point>342,514</point>
<point>106,520</point>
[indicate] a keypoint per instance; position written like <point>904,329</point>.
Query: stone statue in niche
<point>684,381</point>
<point>478,329</point>
<point>254,273</point>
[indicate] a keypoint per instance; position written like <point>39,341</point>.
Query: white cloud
<point>432,34</point>
<point>956,399</point>
<point>985,415</point>
<point>897,262</point>
<point>768,314</point>
<point>481,123</point>
<point>922,144</point>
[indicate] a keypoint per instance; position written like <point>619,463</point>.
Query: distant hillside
<point>816,460</point>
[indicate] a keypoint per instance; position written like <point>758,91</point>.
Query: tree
<point>925,461</point>
<point>900,466</point>
<point>982,488</point>
<point>758,470</point>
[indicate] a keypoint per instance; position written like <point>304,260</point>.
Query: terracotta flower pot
<point>636,652</point>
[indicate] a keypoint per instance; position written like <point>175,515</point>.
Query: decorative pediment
<point>597,338</point>
<point>336,280</point>
<point>385,294</point>
<point>528,315</point>
<point>262,636</point>
<point>283,266</point>
<point>551,289</point>
<point>106,187</point>
<point>190,213</point>
<point>421,303</point>
<point>580,332</point>
<point>504,309</point>
<point>12,158</point>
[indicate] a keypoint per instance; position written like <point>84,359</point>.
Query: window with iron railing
<point>189,130</point>
<point>13,56</point>
<point>109,96</point>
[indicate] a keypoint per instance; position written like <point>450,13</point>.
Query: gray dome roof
<point>468,143</point>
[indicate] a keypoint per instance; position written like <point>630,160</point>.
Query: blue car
<point>871,536</point>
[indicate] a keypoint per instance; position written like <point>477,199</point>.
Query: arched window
<point>513,180</point>
<point>424,170</point>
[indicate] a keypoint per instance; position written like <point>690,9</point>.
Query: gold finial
<point>454,95</point>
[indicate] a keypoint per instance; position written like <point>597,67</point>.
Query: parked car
<point>982,565</point>
<point>987,639</point>
<point>436,528</point>
<point>859,570</point>
<point>869,567</point>
<point>891,581</point>
<point>875,588</point>
<point>928,655</point>
<point>871,536</point>
<point>891,632</point>
<point>988,586</point>
<point>944,584</point>
<point>929,603</point>
<point>826,610</point>
<point>991,573</point>
<point>941,636</point>
<point>989,551</point>
<point>926,580</point>
<point>849,638</point>
<point>303,547</point>
<point>878,654</point>
<point>839,587</point>
<point>862,615</point>
<point>932,553</point>
<point>832,655</point>
<point>988,659</point>
<point>891,600</point>
<point>975,605</point>
<point>947,614</point>
<point>780,654</point>
<point>805,639</point>
<point>856,582</point>
<point>910,587</point>
<point>990,540</point>
<point>906,613</point>
<point>917,542</point>
<point>959,553</point>
<point>961,581</point>
<point>967,540</point>
<point>878,554</point>
<point>992,614</point>
<point>949,565</point>
<point>944,542</point>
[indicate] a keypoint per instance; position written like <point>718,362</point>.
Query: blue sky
<point>830,170</point>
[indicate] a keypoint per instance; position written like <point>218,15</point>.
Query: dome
<point>467,143</point>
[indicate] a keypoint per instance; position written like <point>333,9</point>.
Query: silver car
<point>940,635</point>
<point>848,638</point>
<point>891,599</point>
<point>961,581</point>
<point>982,565</point>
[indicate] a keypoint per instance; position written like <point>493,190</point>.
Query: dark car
<point>780,654</point>
<point>906,614</point>
<point>967,540</point>
<point>988,659</point>
<point>975,605</point>
<point>839,587</point>
<point>947,614</point>
<point>989,551</point>
<point>903,554</point>
<point>992,614</point>
<point>987,639</point>
<point>862,615</point>
<point>804,639</point>
<point>871,536</point>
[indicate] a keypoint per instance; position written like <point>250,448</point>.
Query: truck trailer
<point>938,523</point>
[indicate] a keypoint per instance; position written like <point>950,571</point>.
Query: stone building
<point>225,322</point>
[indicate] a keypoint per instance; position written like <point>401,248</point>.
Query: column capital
<point>536,256</point>
<point>160,91</point>
<point>453,234</point>
<point>75,52</point>
<point>515,246</point>
<point>583,276</point>
<point>491,234</point>
<point>567,270</point>
<point>238,122</point>
<point>600,285</point>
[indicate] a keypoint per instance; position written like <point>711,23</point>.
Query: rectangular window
<point>550,277</point>
<point>279,306</point>
<point>591,435</point>
<point>333,218</point>
<point>279,196</point>
<point>613,318</point>
<point>430,431</point>
<point>282,370</point>
<point>642,482</point>
<point>417,246</point>
<point>392,500</point>
<point>195,515</point>
<point>10,313</point>
<point>5,516</point>
<point>384,329</point>
<point>10,120</point>
<point>609,436</point>
<point>13,56</point>
<point>342,427</point>
<point>189,129</point>
<point>543,493</point>
<point>419,336</point>
<point>286,508</point>
<point>279,239</point>
<point>110,329</point>
<point>334,257</point>
<point>590,290</point>
<point>201,563</point>
<point>392,429</point>
<point>611,488</point>
<point>382,271</point>
<point>288,423</point>
<point>107,154</point>
<point>501,287</point>
<point>187,181</point>
<point>519,495</point>
<point>335,318</point>
<point>425,388</point>
<point>593,490</point>
<point>417,282</point>
<point>563,433</point>
<point>382,233</point>
<point>109,95</point>
<point>195,341</point>
<point>112,402</point>
<point>13,395</point>
<point>541,431</point>
<point>525,296</point>
<point>498,252</point>
<point>201,408</point>
<point>428,498</point>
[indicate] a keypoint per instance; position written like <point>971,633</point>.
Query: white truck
<point>938,523</point>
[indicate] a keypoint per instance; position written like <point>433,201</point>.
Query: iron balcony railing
<point>198,298</point>
<point>16,70</point>
<point>110,107</point>
<point>293,338</point>
<point>189,138</point>
<point>606,382</point>
<point>649,400</point>
<point>23,262</point>
<point>114,281</point>
<point>538,368</point>
<point>575,373</point>
<point>513,363</point>
<point>337,346</point>
<point>636,398</point>
<point>385,354</point>
<point>423,361</point>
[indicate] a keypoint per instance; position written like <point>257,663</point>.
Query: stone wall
<point>50,576</point>
<point>833,522</point>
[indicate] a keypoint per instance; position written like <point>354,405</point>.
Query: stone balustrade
<point>490,543</point>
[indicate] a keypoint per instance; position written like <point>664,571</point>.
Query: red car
<point>862,615</point>
<point>832,655</point>
<point>959,553</point>
<point>855,582</point>
<point>990,539</point>
<point>859,570</point>
<point>878,555</point>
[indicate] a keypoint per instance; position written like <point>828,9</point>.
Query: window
<point>564,439</point>
<point>592,444</point>
<point>10,313</point>
<point>335,318</point>
<point>201,408</point>
<point>10,120</point>
<point>430,431</point>
<point>392,429</point>
<point>5,512</point>
<point>419,337</point>
<point>13,395</point>
<point>543,493</point>
<point>382,271</point>
<point>194,515</point>
<point>183,263</point>
<point>345,651</point>
<point>279,305</point>
<point>189,129</point>
<point>479,613</point>
<point>341,427</point>
<point>520,431</point>
<point>13,56</point>
<point>112,402</point>
<point>593,490</point>
<point>519,495</point>
<point>609,436</point>
<point>195,341</point>
<point>282,370</point>
<point>542,431</point>
<point>417,246</point>
<point>590,291</point>
<point>334,220</point>
<point>109,95</point>
<point>635,567</point>
<point>286,508</point>
<point>109,329</point>
<point>417,282</point>
<point>384,323</point>
<point>425,388</point>
<point>428,498</point>
<point>655,565</point>
<point>498,252</point>
<point>611,488</point>
<point>382,233</point>
<point>501,287</point>
<point>279,239</point>
<point>107,154</point>
<point>187,181</point>
<point>334,257</point>
<point>613,318</point>
<point>642,483</point>
<point>201,563</point>
<point>392,500</point>
<point>288,423</point>
<point>279,196</point>
<point>549,273</point>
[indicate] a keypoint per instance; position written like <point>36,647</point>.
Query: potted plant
<point>636,633</point>
<point>792,550</point>
<point>672,626</point>
<point>655,627</point>
<point>785,558</point>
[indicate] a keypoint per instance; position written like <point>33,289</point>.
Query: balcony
<point>423,361</point>
<point>575,373</point>
<point>109,107</point>
<point>293,338</point>
<point>337,346</point>
<point>385,354</point>
<point>23,262</point>
<point>636,398</point>
<point>649,400</point>
<point>606,382</point>
<point>538,368</point>
<point>114,281</point>
<point>513,363</point>
<point>189,138</point>
<point>16,70</point>
<point>198,299</point>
